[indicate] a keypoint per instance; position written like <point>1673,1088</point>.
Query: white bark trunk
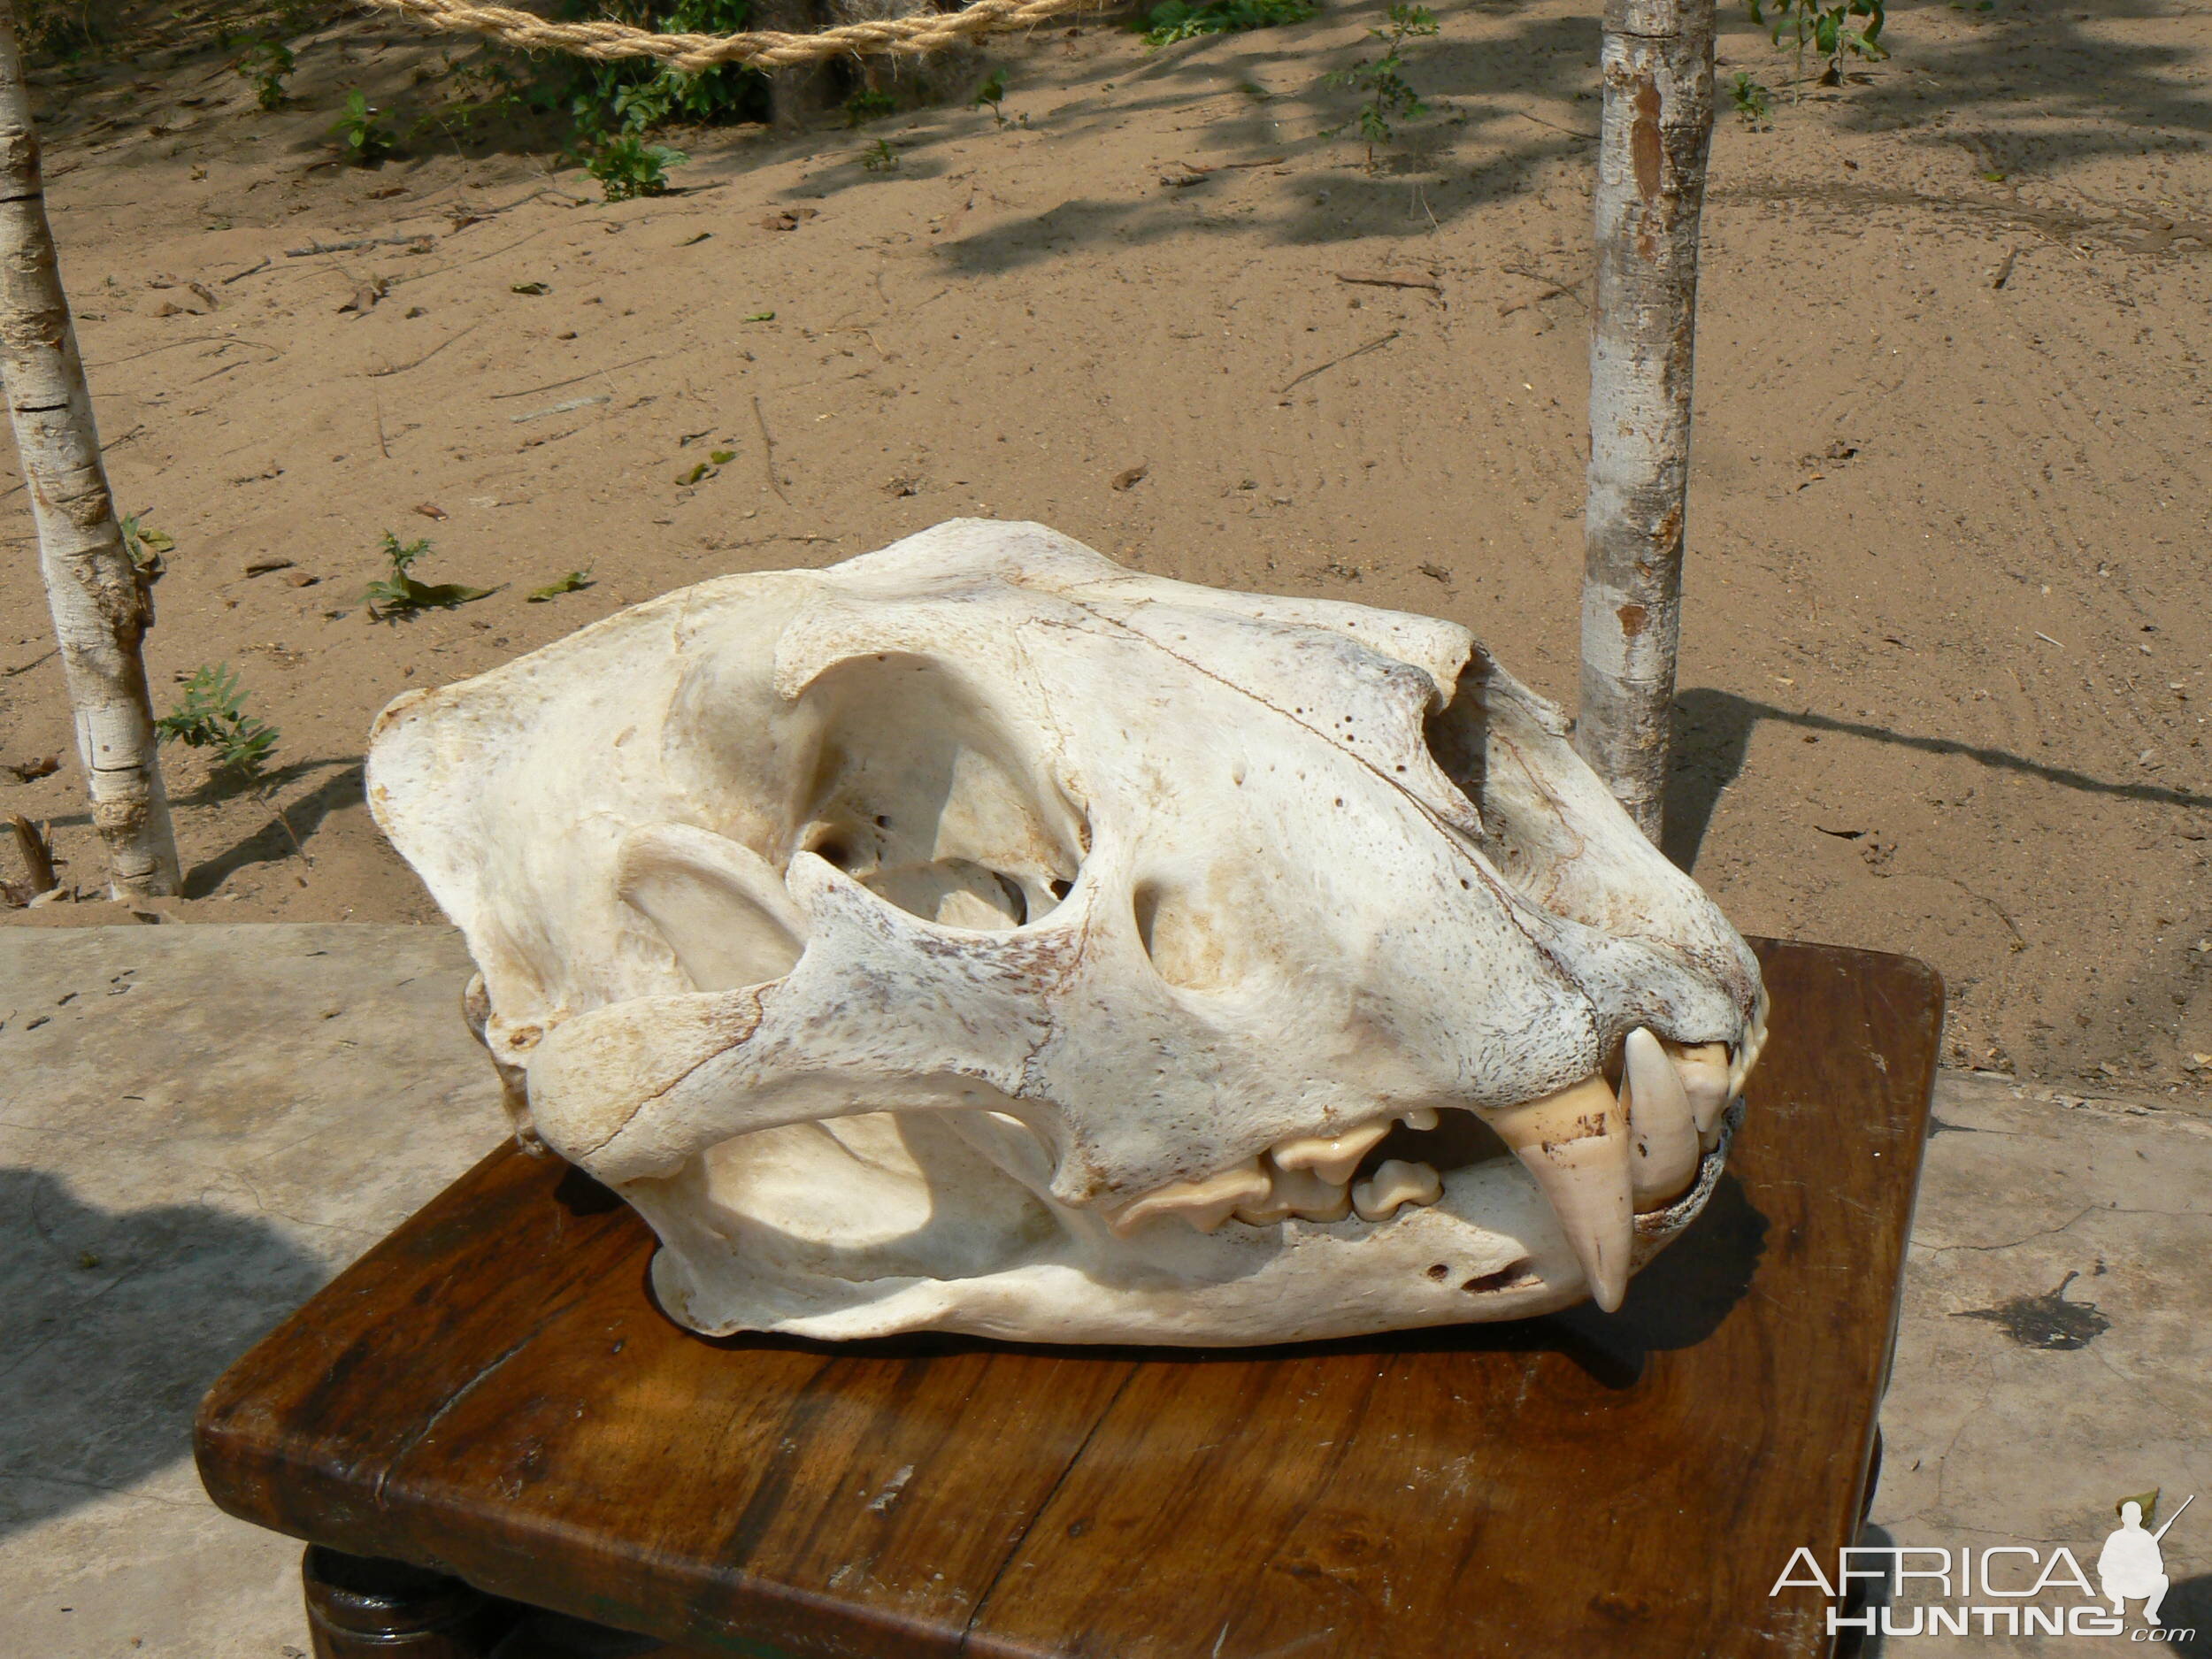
<point>1658,126</point>
<point>101,606</point>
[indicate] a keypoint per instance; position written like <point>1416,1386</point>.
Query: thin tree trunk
<point>1658,126</point>
<point>101,606</point>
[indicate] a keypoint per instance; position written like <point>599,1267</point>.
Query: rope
<point>764,49</point>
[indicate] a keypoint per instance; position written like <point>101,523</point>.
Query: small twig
<point>2048,639</point>
<point>1372,345</point>
<point>562,409</point>
<point>1571,132</point>
<point>768,451</point>
<point>376,374</point>
<point>239,276</point>
<point>382,448</point>
<point>1386,279</point>
<point>10,673</point>
<point>366,241</point>
<point>532,391</point>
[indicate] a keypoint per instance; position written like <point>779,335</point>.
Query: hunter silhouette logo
<point>2130,1564</point>
<point>2001,1589</point>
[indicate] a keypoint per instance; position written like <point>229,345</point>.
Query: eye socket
<point>923,795</point>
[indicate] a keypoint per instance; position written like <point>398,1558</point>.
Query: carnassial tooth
<point>1397,1182</point>
<point>1575,1144</point>
<point>1205,1203</point>
<point>1704,1068</point>
<point>1332,1157</point>
<point>1299,1193</point>
<point>1662,1127</point>
<point>1419,1118</point>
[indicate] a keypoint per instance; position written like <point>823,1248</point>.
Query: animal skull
<point>977,935</point>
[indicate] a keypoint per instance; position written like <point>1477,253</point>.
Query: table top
<point>492,1392</point>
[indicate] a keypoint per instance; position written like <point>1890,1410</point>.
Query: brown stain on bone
<point>1633,619</point>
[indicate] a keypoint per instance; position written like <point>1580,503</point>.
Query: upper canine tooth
<point>1332,1157</point>
<point>1575,1144</point>
<point>1419,1118</point>
<point>1662,1129</point>
<point>1397,1182</point>
<point>1704,1068</point>
<point>1205,1203</point>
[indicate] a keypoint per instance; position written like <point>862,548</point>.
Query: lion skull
<point>977,935</point>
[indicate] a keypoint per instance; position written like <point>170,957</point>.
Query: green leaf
<point>762,317</point>
<point>531,288</point>
<point>696,474</point>
<point>721,458</point>
<point>575,582</point>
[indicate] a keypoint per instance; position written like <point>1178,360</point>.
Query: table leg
<point>359,1608</point>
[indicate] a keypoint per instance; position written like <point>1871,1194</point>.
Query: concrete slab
<point>199,1124</point>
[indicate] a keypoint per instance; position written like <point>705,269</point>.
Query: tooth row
<point>1306,1176</point>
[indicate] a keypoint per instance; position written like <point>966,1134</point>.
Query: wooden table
<point>491,1395</point>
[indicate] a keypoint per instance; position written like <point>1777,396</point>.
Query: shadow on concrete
<point>1712,732</point>
<point>112,1326</point>
<point>2186,1615</point>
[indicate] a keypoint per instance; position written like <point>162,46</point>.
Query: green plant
<point>400,595</point>
<point>1826,26</point>
<point>868,105</point>
<point>626,165</point>
<point>264,63</point>
<point>366,140</point>
<point>212,715</point>
<point>634,95</point>
<point>992,92</point>
<point>1751,100</point>
<point>881,158</point>
<point>146,545</point>
<point>1389,95</point>
<point>1179,20</point>
<point>574,582</point>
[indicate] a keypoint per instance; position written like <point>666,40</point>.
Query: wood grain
<point>491,1393</point>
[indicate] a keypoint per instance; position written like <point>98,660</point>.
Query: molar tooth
<point>1704,1068</point>
<point>1205,1203</point>
<point>1419,1118</point>
<point>1397,1182</point>
<point>1575,1144</point>
<point>1663,1128</point>
<point>1332,1157</point>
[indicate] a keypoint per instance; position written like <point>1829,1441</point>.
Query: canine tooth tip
<point>1575,1145</point>
<point>1419,1118</point>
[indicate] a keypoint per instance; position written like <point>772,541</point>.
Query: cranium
<point>977,935</point>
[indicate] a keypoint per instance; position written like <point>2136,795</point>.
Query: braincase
<point>912,713</point>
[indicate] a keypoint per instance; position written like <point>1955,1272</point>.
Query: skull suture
<point>979,936</point>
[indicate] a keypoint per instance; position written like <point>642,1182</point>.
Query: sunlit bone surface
<point>979,936</point>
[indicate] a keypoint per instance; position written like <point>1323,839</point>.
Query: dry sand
<point>1944,677</point>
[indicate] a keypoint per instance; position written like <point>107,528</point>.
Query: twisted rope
<point>762,50</point>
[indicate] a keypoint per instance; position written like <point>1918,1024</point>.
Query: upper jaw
<point>1613,1160</point>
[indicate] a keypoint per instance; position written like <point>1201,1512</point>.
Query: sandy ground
<point>1944,676</point>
